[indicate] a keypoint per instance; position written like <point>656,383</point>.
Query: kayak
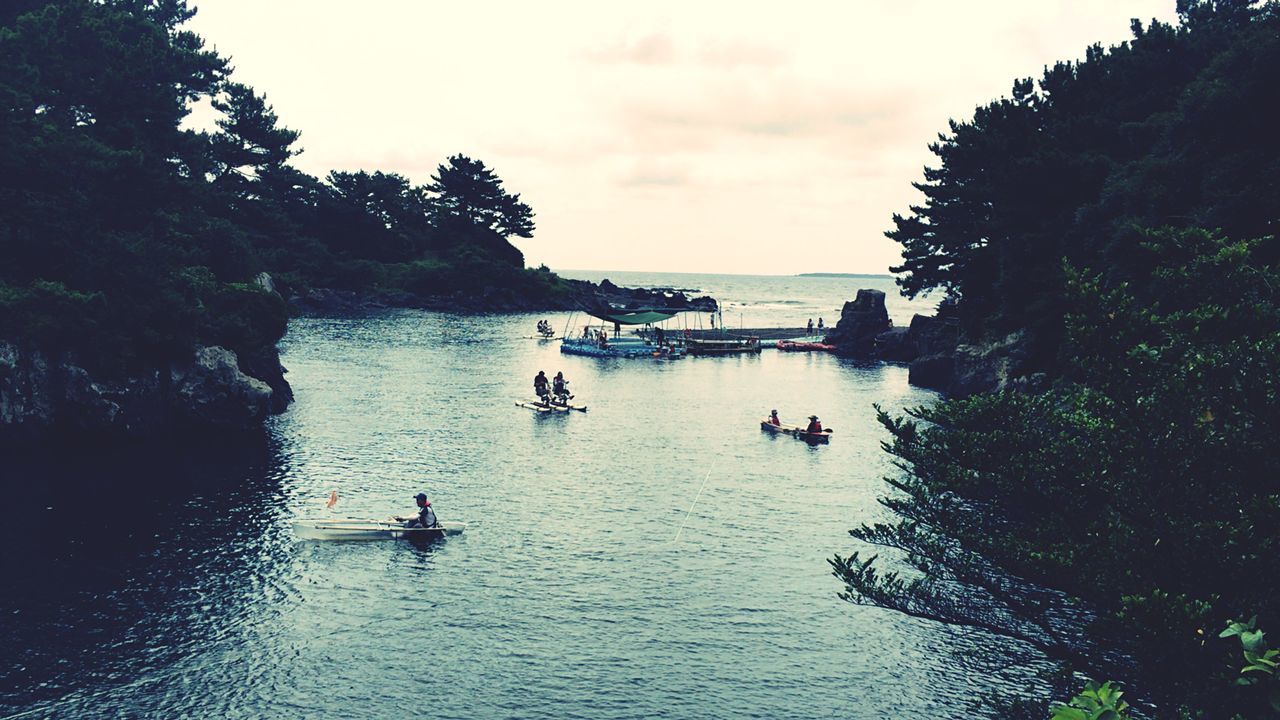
<point>797,346</point>
<point>353,529</point>
<point>539,406</point>
<point>797,432</point>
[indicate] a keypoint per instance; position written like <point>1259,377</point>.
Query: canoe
<point>353,529</point>
<point>797,432</point>
<point>797,346</point>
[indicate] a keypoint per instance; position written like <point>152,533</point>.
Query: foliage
<point>1132,505</point>
<point>1261,661</point>
<point>1172,128</point>
<point>129,238</point>
<point>1095,702</point>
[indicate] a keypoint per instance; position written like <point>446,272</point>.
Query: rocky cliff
<point>212,390</point>
<point>940,358</point>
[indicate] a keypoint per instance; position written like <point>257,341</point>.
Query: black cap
<point>420,496</point>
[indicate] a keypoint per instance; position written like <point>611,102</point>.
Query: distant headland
<point>845,275</point>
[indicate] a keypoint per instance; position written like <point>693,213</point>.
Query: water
<point>568,596</point>
<point>771,300</point>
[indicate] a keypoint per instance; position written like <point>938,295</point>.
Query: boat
<point>539,406</point>
<point>724,347</point>
<point>598,342</point>
<point>797,432</point>
<point>804,346</point>
<point>542,407</point>
<point>355,529</point>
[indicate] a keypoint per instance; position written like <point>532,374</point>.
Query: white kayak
<point>353,529</point>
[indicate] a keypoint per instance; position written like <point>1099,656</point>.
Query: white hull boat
<point>353,529</point>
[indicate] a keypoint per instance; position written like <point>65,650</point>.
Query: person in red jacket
<point>814,425</point>
<point>774,419</point>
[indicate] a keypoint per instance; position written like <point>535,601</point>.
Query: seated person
<point>814,425</point>
<point>774,419</point>
<point>426,517</point>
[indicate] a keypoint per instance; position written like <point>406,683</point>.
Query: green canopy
<point>636,317</point>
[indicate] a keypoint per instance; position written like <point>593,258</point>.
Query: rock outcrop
<point>583,294</point>
<point>939,357</point>
<point>42,395</point>
<point>861,322</point>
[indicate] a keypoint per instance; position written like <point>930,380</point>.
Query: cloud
<point>653,173</point>
<point>658,49</point>
<point>652,49</point>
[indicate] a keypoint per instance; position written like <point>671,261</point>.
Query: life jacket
<point>814,427</point>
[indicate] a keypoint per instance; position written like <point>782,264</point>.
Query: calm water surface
<point>568,595</point>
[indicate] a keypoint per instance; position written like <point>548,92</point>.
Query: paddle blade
<point>333,499</point>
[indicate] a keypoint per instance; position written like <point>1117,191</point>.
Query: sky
<point>691,136</point>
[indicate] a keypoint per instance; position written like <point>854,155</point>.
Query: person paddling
<point>774,419</point>
<point>560,386</point>
<point>540,385</point>
<point>426,517</point>
<point>815,427</point>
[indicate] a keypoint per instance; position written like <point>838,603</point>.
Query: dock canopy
<point>634,317</point>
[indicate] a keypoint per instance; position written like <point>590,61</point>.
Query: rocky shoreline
<point>940,358</point>
<point>583,295</point>
<point>213,390</point>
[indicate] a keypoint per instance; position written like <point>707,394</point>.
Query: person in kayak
<point>426,517</point>
<point>540,385</point>
<point>815,427</point>
<point>774,419</point>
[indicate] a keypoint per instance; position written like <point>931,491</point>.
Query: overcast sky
<point>733,137</point>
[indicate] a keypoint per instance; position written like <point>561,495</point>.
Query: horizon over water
<point>772,300</point>
<point>656,556</point>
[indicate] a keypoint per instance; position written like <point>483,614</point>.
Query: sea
<point>657,556</point>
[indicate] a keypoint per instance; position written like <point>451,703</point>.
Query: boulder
<point>894,345</point>
<point>991,366</point>
<point>40,395</point>
<point>212,390</point>
<point>860,322</point>
<point>935,372</point>
<point>933,335</point>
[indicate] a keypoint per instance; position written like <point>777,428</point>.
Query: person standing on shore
<point>819,324</point>
<point>810,326</point>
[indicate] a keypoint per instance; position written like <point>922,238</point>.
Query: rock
<point>264,281</point>
<point>894,345</point>
<point>212,390</point>
<point>933,335</point>
<point>990,366</point>
<point>935,372</point>
<point>41,395</point>
<point>265,366</point>
<point>860,322</point>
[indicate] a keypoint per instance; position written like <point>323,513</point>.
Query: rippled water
<point>568,595</point>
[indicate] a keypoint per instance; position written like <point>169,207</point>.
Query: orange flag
<point>333,499</point>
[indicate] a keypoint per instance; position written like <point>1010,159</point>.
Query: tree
<point>468,201</point>
<point>1133,506</point>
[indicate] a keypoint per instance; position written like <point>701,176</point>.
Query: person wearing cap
<point>426,517</point>
<point>774,419</point>
<point>814,425</point>
<point>540,385</point>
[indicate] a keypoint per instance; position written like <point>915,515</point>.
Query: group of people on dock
<point>555,391</point>
<point>601,336</point>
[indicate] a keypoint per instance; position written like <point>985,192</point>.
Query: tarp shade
<point>639,317</point>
